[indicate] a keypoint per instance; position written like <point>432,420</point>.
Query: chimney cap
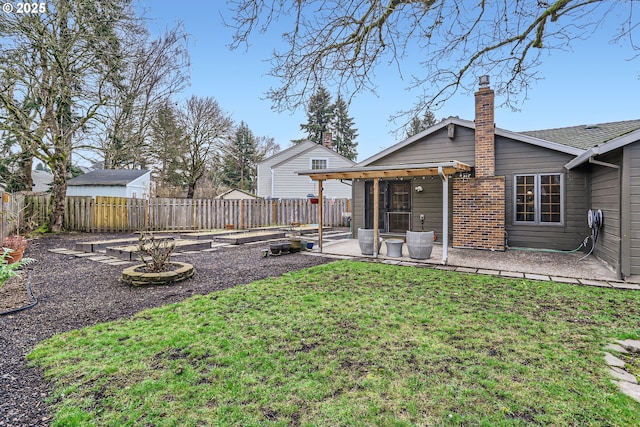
<point>484,81</point>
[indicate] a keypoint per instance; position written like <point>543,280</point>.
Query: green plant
<point>7,270</point>
<point>155,253</point>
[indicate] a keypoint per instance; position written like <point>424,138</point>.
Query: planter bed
<point>129,253</point>
<point>132,276</point>
<point>249,237</point>
<point>101,245</point>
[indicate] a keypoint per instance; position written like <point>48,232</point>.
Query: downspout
<point>445,215</point>
<point>273,180</point>
<point>611,165</point>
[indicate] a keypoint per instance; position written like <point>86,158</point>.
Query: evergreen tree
<point>239,161</point>
<point>417,124</point>
<point>319,115</point>
<point>344,134</point>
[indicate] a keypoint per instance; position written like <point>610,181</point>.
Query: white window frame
<point>538,192</point>
<point>312,159</point>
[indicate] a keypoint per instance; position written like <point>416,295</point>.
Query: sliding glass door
<point>394,210</point>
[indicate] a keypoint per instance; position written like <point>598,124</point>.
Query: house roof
<point>236,190</point>
<point>518,136</point>
<point>110,177</point>
<point>289,151</point>
<point>313,146</point>
<point>604,148</point>
<point>586,136</point>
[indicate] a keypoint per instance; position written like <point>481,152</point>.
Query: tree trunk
<point>58,193</point>
<point>26,163</point>
<point>191,189</point>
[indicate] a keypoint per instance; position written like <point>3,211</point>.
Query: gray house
<point>490,188</point>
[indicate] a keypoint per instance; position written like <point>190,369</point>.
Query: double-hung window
<point>539,199</point>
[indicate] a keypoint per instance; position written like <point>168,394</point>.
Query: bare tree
<point>154,71</point>
<point>205,127</point>
<point>340,43</point>
<point>60,62</point>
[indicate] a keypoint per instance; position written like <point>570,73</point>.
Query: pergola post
<point>376,219</point>
<point>320,220</point>
<point>445,215</point>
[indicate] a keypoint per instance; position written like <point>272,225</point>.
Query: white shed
<point>111,183</point>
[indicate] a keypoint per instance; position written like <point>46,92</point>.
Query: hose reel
<point>595,220</point>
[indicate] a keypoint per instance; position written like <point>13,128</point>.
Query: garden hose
<point>32,298</point>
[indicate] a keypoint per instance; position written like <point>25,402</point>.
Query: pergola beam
<point>396,171</point>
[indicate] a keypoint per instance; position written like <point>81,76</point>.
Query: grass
<point>355,344</point>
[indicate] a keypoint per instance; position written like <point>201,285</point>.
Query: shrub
<point>155,254</point>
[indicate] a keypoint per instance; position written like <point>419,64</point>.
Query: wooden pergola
<point>376,173</point>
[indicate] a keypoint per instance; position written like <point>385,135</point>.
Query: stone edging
<point>138,278</point>
<point>626,382</point>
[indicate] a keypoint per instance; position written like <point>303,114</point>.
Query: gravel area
<point>73,292</point>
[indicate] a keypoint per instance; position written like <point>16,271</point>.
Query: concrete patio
<point>513,263</point>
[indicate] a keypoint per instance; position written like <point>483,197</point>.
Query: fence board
<point>118,214</point>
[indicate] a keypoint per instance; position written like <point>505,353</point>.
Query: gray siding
<point>631,226</point>
<point>428,202</point>
<point>436,147</point>
<point>514,158</point>
<point>605,193</point>
<point>357,206</point>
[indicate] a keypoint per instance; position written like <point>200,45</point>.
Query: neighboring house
<point>236,194</point>
<point>111,182</point>
<point>525,189</point>
<point>277,176</point>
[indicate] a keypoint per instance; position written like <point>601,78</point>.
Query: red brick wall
<point>479,213</point>
<point>485,132</point>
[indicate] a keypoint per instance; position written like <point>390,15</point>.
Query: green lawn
<point>356,344</point>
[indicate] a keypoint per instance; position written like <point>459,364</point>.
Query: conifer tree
<point>344,134</point>
<point>319,115</point>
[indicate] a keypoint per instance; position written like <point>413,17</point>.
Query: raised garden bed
<point>250,236</point>
<point>129,253</point>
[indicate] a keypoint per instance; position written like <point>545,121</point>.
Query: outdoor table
<point>394,247</point>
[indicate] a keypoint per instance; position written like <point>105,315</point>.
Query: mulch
<point>74,292</point>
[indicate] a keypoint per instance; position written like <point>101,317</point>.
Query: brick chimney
<point>479,202</point>
<point>485,130</point>
<point>327,140</point>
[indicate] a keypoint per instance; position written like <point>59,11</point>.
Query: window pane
<point>318,163</point>
<point>550,198</point>
<point>398,222</point>
<point>525,198</point>
<point>400,193</point>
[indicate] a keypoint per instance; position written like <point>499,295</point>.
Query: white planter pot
<point>365,240</point>
<point>419,244</point>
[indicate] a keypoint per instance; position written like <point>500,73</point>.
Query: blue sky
<point>597,82</point>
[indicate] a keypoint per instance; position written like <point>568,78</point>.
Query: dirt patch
<point>74,292</point>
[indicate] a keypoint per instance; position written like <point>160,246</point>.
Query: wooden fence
<point>116,214</point>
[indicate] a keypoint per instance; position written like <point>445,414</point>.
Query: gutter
<point>611,165</point>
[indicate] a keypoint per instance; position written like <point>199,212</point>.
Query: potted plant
<point>15,246</point>
<point>157,267</point>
